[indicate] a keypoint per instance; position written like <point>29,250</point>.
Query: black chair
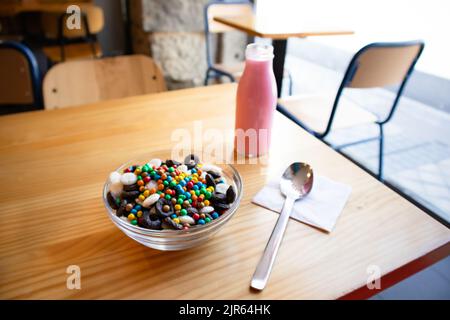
<point>375,65</point>
<point>20,79</point>
<point>72,44</point>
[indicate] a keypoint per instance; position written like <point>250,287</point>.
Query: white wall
<point>381,20</point>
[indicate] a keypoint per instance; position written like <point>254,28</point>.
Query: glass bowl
<point>169,240</point>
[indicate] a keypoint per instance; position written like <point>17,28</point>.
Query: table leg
<point>127,26</point>
<point>279,50</point>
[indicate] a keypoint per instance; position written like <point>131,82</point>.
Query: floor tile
<point>425,285</point>
<point>443,267</point>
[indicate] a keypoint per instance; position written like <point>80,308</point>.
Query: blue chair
<point>375,65</point>
<point>232,8</point>
<point>20,81</point>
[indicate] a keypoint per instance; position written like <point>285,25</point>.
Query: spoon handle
<point>264,267</point>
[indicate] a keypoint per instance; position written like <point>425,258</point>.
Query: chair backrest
<point>378,65</point>
<point>50,22</point>
<point>19,75</point>
<point>383,64</point>
<point>224,8</point>
<point>86,81</point>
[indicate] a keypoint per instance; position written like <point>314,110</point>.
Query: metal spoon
<point>295,183</point>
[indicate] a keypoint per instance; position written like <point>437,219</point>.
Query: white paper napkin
<point>321,208</point>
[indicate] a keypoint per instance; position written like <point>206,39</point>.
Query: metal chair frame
<point>348,76</point>
<point>33,67</point>
<point>62,40</point>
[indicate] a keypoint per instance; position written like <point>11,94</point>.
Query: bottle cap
<point>260,52</point>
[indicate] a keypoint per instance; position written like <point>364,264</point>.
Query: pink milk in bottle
<point>255,102</point>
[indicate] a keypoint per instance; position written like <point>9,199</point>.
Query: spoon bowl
<point>297,180</point>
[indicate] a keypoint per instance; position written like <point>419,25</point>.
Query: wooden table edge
<point>279,36</point>
<point>392,278</point>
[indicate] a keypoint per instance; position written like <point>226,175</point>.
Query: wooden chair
<point>79,82</point>
<point>375,65</point>
<point>73,44</point>
<point>20,88</point>
<point>223,8</point>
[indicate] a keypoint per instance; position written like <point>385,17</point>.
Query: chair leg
<point>232,79</point>
<point>206,77</point>
<point>290,83</point>
<point>380,139</point>
<point>217,75</point>
<point>381,154</point>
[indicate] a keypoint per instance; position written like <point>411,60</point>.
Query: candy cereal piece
<point>183,168</point>
<point>129,195</point>
<point>115,185</point>
<point>114,177</point>
<point>128,179</point>
<point>152,184</point>
<point>207,209</point>
<point>222,206</point>
<point>159,208</point>
<point>112,201</point>
<point>131,187</point>
<point>222,188</point>
<point>186,219</point>
<point>191,161</point>
<point>173,224</point>
<point>172,163</point>
<point>219,198</point>
<point>155,162</point>
<point>215,171</point>
<point>231,195</point>
<point>210,181</point>
<point>148,222</point>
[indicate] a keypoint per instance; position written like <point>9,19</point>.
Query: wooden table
<point>53,165</point>
<point>279,30</point>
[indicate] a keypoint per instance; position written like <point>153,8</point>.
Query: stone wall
<point>171,31</point>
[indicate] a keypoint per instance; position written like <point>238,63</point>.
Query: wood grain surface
<point>53,165</point>
<point>278,28</point>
